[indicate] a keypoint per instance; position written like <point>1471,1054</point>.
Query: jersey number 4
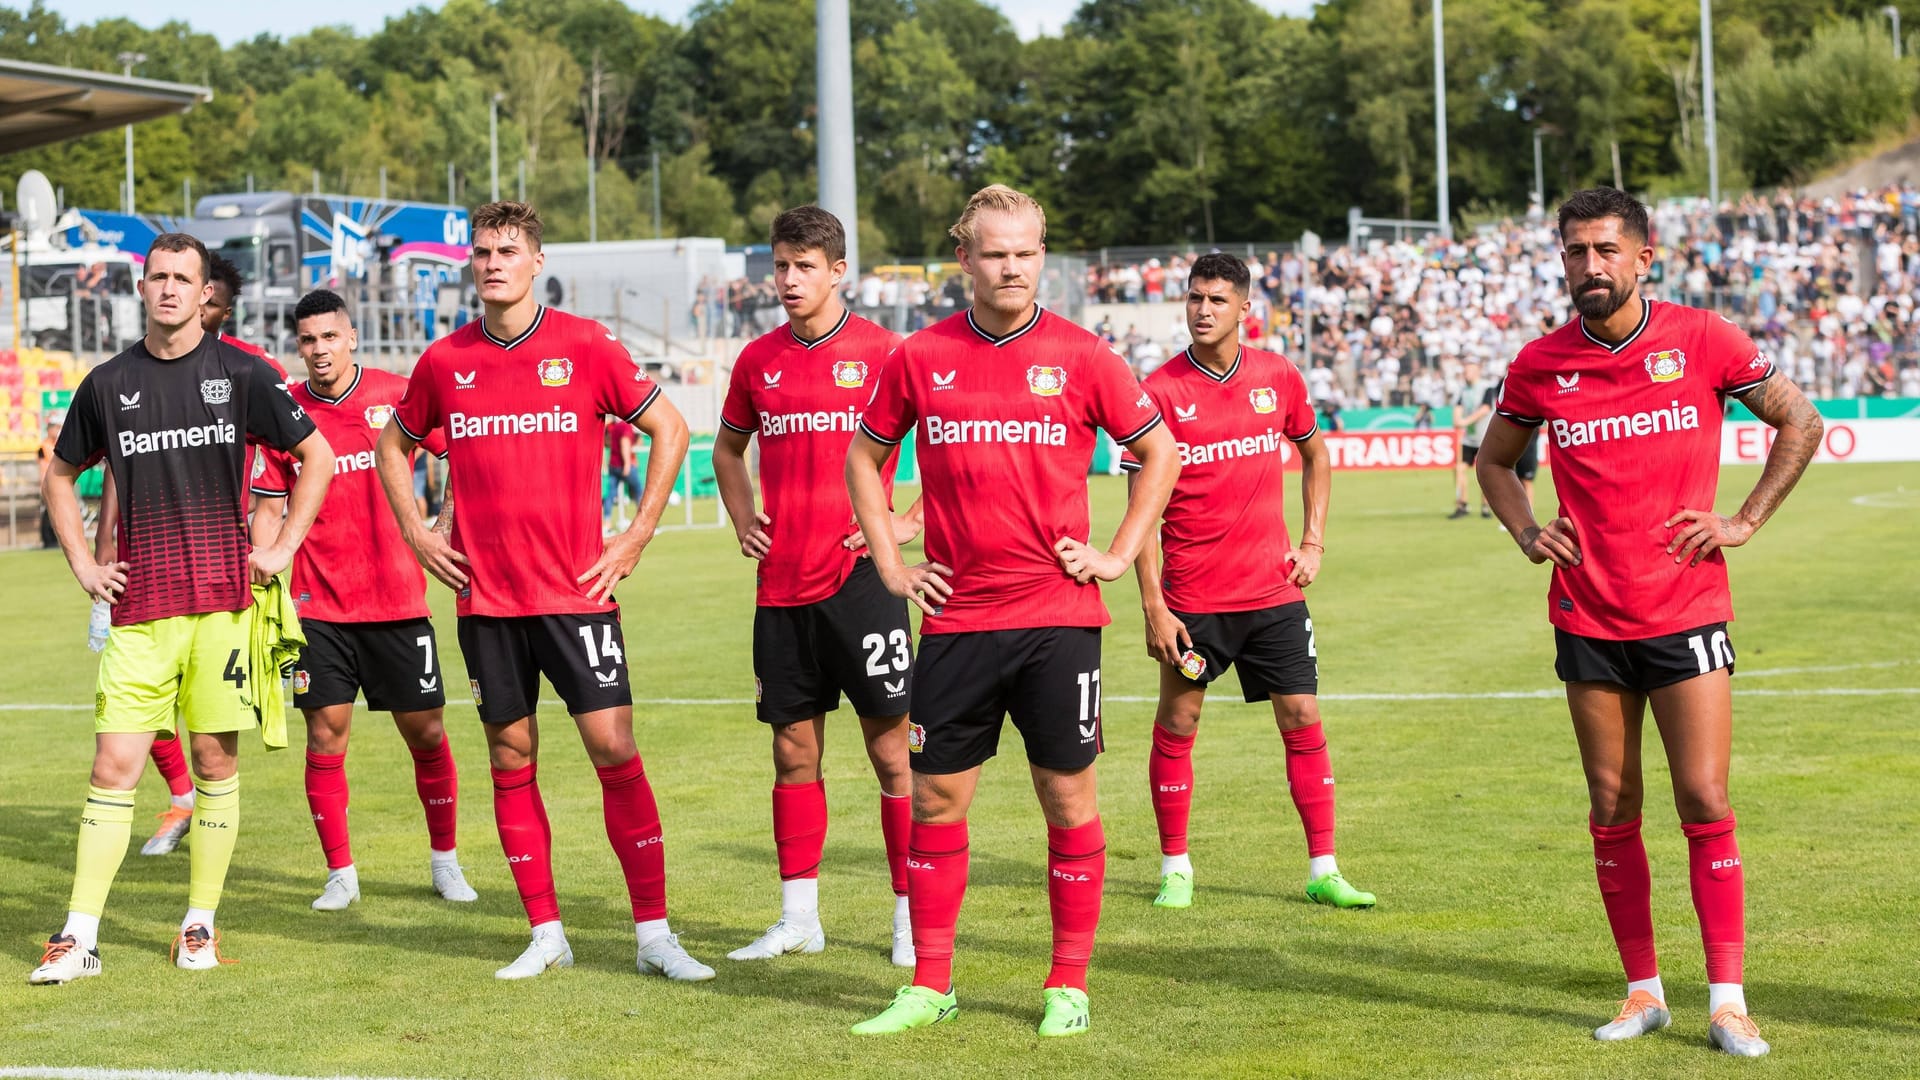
<point>235,674</point>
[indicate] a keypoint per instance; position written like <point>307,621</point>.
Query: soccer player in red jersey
<point>169,759</point>
<point>1230,592</point>
<point>1631,396</point>
<point>824,623</point>
<point>523,394</point>
<point>1003,401</point>
<point>362,603</point>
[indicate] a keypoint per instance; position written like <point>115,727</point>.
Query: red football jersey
<point>803,398</point>
<point>1004,433</point>
<point>1224,535</point>
<point>524,421</point>
<point>256,459</point>
<point>354,566</point>
<point>1634,430</point>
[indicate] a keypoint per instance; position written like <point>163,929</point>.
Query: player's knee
<point>1612,800</point>
<point>1293,711</point>
<point>505,757</point>
<point>796,756</point>
<point>1698,804</point>
<point>1177,720</point>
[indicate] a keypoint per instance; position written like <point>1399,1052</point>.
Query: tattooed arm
<point>1798,428</point>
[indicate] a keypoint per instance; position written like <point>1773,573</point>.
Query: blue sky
<point>238,21</point>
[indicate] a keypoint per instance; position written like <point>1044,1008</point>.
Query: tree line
<point>1141,122</point>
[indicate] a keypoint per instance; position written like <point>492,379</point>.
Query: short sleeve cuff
<point>268,493</point>
<point>409,432</point>
<point>1130,465</point>
<point>1144,428</point>
<point>731,426</point>
<point>1311,432</point>
<point>1751,384</point>
<point>652,396</point>
<point>877,437</point>
<point>1522,421</point>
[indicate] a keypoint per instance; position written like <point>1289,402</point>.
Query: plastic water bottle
<point>98,625</point>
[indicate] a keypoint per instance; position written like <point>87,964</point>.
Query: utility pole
<point>1706,94</point>
<point>1440,122</point>
<point>127,60</point>
<point>493,141</point>
<point>833,89</point>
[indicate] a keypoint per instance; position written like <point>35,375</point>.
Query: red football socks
<point>1719,896</point>
<point>1310,782</point>
<point>438,783</point>
<point>1076,873</point>
<point>327,798</point>
<point>1170,781</point>
<point>633,827</point>
<point>936,884</point>
<point>799,828</point>
<point>1626,889</point>
<point>896,825</point>
<point>527,840</point>
<point>171,760</point>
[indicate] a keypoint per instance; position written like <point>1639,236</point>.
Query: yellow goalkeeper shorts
<point>197,664</point>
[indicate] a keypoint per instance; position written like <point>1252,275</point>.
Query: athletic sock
<point>216,829</point>
<point>197,916</point>
<point>1170,782</point>
<point>1176,864</point>
<point>106,824</point>
<point>1720,995</point>
<point>937,858</point>
<point>1076,873</point>
<point>1626,889</point>
<point>896,824</point>
<point>1310,782</point>
<point>1651,986</point>
<point>799,838</point>
<point>327,799</point>
<point>84,929</point>
<point>438,783</point>
<point>171,760</point>
<point>527,840</point>
<point>1719,896</point>
<point>633,828</point>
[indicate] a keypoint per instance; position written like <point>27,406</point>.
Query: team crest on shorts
<point>1264,399</point>
<point>378,415</point>
<point>1046,381</point>
<point>1666,365</point>
<point>1193,665</point>
<point>259,466</point>
<point>556,372</point>
<point>850,373</point>
<point>216,391</point>
<point>916,738</point>
<point>759,691</point>
<point>301,680</point>
<point>474,685</point>
<point>99,706</point>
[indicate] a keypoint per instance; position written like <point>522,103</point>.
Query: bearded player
<point>824,623</point>
<point>362,603</point>
<point>1004,400</point>
<point>1230,591</point>
<point>1631,396</point>
<point>523,393</point>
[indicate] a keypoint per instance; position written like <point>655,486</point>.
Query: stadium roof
<point>41,104</point>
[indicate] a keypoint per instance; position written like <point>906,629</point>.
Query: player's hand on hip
<point>1303,565</point>
<point>616,562</point>
<point>1703,532</point>
<point>436,553</point>
<point>754,541</point>
<point>1167,637</point>
<point>925,584</point>
<point>904,531</point>
<point>265,564</point>
<point>103,581</point>
<point>1085,563</point>
<point>1557,544</point>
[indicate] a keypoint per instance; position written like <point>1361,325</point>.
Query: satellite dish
<point>35,200</point>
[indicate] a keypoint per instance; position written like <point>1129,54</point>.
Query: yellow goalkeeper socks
<point>216,828</point>
<point>106,825</point>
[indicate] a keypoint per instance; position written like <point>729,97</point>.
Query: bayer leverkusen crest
<point>1046,381</point>
<point>1666,365</point>
<point>1263,398</point>
<point>378,415</point>
<point>557,372</point>
<point>850,374</point>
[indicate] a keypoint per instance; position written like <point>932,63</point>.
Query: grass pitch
<point>1488,955</point>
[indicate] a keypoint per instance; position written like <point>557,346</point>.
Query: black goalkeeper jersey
<point>175,434</point>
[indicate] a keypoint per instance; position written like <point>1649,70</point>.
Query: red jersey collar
<point>998,341</point>
<point>358,371</point>
<point>539,315</point>
<point>1646,313</point>
<point>823,338</point>
<point>1238,355</point>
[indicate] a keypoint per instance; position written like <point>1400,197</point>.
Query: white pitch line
<point>1878,665</point>
<point>1133,699</point>
<point>38,1073</point>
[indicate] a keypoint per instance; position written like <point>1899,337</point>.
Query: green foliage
<point>1142,121</point>
<point>1789,118</point>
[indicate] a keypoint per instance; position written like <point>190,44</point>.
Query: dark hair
<point>1220,266</point>
<point>319,302</point>
<point>1593,204</point>
<point>510,215</point>
<point>179,241</point>
<point>222,271</point>
<point>809,228</point>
